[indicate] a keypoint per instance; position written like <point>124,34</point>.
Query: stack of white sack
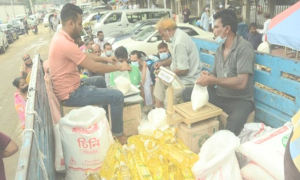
<point>267,154</point>
<point>157,118</point>
<point>86,138</point>
<point>217,158</point>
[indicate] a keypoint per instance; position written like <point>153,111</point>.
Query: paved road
<point>10,63</point>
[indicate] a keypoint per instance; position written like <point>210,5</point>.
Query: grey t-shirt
<point>185,56</point>
<point>240,60</point>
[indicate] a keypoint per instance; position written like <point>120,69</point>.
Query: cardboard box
<point>223,119</point>
<point>132,115</point>
<point>194,137</point>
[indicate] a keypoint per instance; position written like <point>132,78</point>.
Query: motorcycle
<point>34,29</point>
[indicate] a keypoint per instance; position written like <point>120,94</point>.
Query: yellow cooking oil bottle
<point>140,164</point>
<point>128,158</point>
<point>93,176</point>
<point>174,172</point>
<point>124,172</point>
<point>113,158</point>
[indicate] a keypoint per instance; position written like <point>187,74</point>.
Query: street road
<point>10,63</point>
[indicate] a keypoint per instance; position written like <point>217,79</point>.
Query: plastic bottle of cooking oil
<point>174,172</point>
<point>93,176</point>
<point>130,162</point>
<point>140,164</point>
<point>124,172</point>
<point>187,174</point>
<point>155,166</point>
<point>165,164</point>
<point>113,158</point>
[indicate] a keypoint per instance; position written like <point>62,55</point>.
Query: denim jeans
<point>93,91</point>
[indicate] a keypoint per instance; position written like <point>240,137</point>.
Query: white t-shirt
<point>266,28</point>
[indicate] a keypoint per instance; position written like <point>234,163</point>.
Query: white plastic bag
<point>59,156</point>
<point>157,117</point>
<point>199,97</point>
<point>122,81</point>
<point>86,138</point>
<point>253,172</point>
<point>268,150</point>
<point>217,158</point>
<point>253,130</point>
<point>145,128</point>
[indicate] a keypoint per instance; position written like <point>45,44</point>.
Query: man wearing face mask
<point>185,59</point>
<point>70,90</point>
<point>107,50</point>
<point>165,59</point>
<point>100,39</point>
<point>25,70</point>
<point>231,84</point>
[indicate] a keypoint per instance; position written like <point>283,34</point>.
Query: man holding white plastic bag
<point>64,57</point>
<point>231,84</point>
<point>185,59</point>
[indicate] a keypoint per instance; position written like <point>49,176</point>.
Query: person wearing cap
<point>26,66</point>
<point>205,20</point>
<point>185,59</point>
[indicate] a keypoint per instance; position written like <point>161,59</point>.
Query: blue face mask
<point>134,63</point>
<point>163,56</point>
<point>219,40</point>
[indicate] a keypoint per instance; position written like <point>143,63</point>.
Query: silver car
<point>3,42</point>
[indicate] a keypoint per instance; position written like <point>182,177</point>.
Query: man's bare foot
<point>122,139</point>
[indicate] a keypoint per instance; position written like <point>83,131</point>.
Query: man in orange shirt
<point>65,56</point>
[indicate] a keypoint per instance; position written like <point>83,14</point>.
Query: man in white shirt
<point>205,19</point>
<point>100,39</point>
<point>107,50</point>
<point>266,26</point>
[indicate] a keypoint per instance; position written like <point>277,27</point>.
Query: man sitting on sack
<point>231,84</point>
<point>185,59</point>
<point>65,56</point>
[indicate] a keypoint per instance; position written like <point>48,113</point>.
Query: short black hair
<point>140,54</point>
<point>162,45</point>
<point>228,18</point>
<point>253,25</point>
<point>106,44</point>
<point>99,32</point>
<point>16,81</point>
<point>121,52</point>
<point>70,12</point>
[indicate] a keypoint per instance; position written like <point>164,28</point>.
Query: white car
<point>148,39</point>
<point>3,42</point>
<point>92,17</point>
<point>46,19</point>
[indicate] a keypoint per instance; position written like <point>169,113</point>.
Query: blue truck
<point>277,99</point>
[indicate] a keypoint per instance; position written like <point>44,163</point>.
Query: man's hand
<point>112,60</point>
<point>157,65</point>
<point>204,79</point>
<point>125,67</point>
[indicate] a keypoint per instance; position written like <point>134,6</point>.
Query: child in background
<point>135,77</point>
<point>139,59</point>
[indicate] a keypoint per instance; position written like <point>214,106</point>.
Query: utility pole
<point>13,8</point>
<point>31,7</point>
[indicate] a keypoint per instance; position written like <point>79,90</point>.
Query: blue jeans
<point>93,91</point>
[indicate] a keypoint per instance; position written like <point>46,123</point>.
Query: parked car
<point>46,19</point>
<point>130,31</point>
<point>3,42</point>
<point>16,25</point>
<point>22,16</point>
<point>92,18</point>
<point>148,39</point>
<point>120,19</point>
<point>11,34</point>
<point>98,9</point>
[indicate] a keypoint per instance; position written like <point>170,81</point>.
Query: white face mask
<point>135,63</point>
<point>108,53</point>
<point>219,40</point>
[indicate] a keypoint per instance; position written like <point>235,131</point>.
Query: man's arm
<point>164,63</point>
<point>100,59</point>
<point>10,149</point>
<point>179,72</point>
<point>182,60</point>
<point>239,82</point>
<point>97,67</point>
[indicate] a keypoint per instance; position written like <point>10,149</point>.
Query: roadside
<point>10,63</point>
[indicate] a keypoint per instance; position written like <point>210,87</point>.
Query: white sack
<point>59,163</point>
<point>157,117</point>
<point>253,172</point>
<point>253,130</point>
<point>145,128</point>
<point>268,150</point>
<point>217,158</point>
<point>199,97</point>
<point>86,137</point>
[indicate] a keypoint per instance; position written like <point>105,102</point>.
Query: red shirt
<point>4,141</point>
